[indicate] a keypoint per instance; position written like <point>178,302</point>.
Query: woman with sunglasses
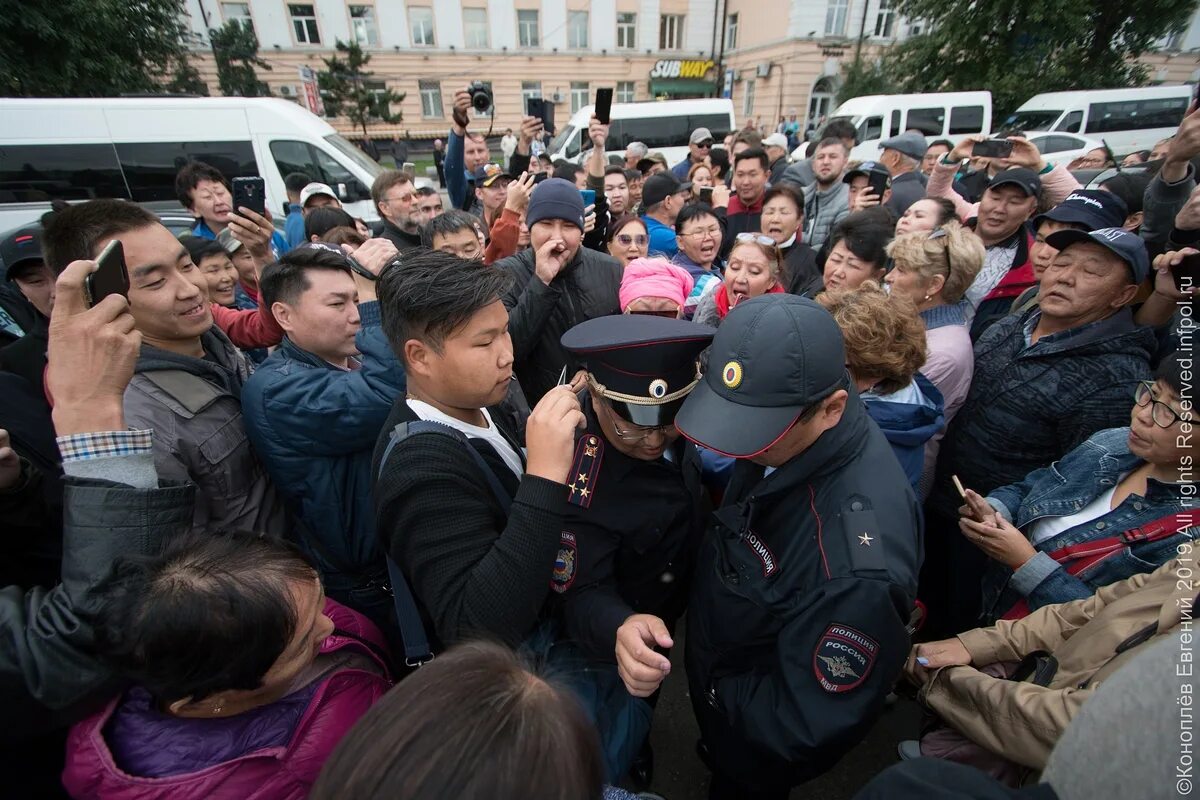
<point>755,268</point>
<point>933,270</point>
<point>628,239</point>
<point>655,287</point>
<point>1115,506</point>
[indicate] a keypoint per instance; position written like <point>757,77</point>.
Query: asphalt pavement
<point>680,775</point>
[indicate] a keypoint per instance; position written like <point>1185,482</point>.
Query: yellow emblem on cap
<point>731,375</point>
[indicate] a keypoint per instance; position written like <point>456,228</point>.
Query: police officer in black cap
<point>636,508</point>
<point>806,580</point>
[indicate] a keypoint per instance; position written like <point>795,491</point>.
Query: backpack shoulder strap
<point>412,629</point>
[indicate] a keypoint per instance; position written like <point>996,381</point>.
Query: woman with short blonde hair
<point>932,269</point>
<point>885,348</point>
<point>755,267</point>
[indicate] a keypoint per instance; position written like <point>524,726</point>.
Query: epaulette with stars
<point>589,453</point>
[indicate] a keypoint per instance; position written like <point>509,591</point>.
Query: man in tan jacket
<point>1087,641</point>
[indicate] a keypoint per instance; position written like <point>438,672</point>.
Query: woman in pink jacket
<point>245,676</point>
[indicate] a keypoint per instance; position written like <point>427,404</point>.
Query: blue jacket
<point>1064,488</point>
<point>1028,406</point>
<point>314,426</point>
<point>293,225</point>
<point>459,183</point>
<point>908,426</point>
<point>662,238</point>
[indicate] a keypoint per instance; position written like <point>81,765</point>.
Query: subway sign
<point>676,68</point>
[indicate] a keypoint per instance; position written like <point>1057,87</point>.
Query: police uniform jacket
<point>803,587</point>
<point>630,532</point>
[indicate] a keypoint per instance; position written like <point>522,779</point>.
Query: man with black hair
<point>827,198</point>
<point>458,233</point>
<point>26,297</point>
<point>205,193</point>
<point>189,376</point>
<point>663,197</point>
<point>635,181</point>
<point>616,190</point>
<point>293,223</point>
<point>315,408</point>
<point>427,205</point>
<point>751,168</point>
<point>444,317</point>
<point>393,192</point>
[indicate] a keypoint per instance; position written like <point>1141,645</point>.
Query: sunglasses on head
<point>940,233</point>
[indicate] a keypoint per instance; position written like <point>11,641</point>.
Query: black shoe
<point>642,768</point>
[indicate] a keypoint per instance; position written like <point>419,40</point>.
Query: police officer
<point>806,579</point>
<point>636,508</point>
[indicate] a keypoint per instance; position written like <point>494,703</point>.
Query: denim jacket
<point>1063,488</point>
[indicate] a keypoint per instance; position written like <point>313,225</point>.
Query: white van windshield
<point>1030,120</point>
<point>564,137</point>
<point>354,154</point>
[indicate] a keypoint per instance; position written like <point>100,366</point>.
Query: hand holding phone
<point>250,193</point>
<point>992,148</point>
<point>589,197</point>
<point>878,183</point>
<point>110,277</point>
<point>604,99</point>
<point>706,194</point>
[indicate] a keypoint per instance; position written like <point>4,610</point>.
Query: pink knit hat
<point>654,277</point>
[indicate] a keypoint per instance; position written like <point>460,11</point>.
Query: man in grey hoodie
<point>828,200</point>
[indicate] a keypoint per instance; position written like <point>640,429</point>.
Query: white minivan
<point>1126,119</point>
<point>664,126</point>
<point>84,148</point>
<point>938,115</point>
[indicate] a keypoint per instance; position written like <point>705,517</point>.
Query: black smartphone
<point>541,176</point>
<point>706,194</point>
<point>250,193</point>
<point>992,148</point>
<point>1187,273</point>
<point>604,105</point>
<point>877,182</point>
<point>110,277</point>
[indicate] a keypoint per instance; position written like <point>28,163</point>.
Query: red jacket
<point>278,773</point>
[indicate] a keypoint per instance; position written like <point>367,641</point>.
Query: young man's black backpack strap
<point>412,629</point>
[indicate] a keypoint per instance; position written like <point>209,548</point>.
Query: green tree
<point>235,49</point>
<point>89,48</point>
<point>186,79</point>
<point>344,89</point>
<point>866,76</point>
<point>1019,49</point>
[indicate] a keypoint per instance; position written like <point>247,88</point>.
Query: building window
<point>626,91</point>
<point>238,13</point>
<point>626,31</point>
<point>577,30</point>
<point>488,113</point>
<point>304,24</point>
<point>530,90</point>
<point>835,17</point>
<point>431,99</point>
<point>378,89</point>
<point>885,19</point>
<point>1174,41</point>
<point>420,22</point>
<point>527,28</point>
<point>748,100</point>
<point>579,95</point>
<point>363,27</point>
<point>731,31</point>
<point>670,32</point>
<point>475,28</point>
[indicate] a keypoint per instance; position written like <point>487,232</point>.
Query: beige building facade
<point>772,57</point>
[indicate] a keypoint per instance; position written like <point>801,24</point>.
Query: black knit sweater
<point>474,572</point>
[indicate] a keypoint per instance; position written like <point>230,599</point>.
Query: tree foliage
<point>1018,48</point>
<point>186,79</point>
<point>89,48</point>
<point>235,49</point>
<point>866,76</point>
<point>344,89</point>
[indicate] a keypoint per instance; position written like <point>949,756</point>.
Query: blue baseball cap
<point>1127,246</point>
<point>1094,209</point>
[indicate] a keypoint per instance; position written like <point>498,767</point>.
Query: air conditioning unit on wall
<point>557,97</point>
<point>764,70</point>
<point>286,91</point>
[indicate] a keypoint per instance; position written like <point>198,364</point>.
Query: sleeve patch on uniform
<point>566,563</point>
<point>843,658</point>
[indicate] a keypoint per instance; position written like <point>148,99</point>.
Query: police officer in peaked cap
<point>806,579</point>
<point>636,508</point>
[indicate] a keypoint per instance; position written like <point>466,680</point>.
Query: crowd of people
<point>420,507</point>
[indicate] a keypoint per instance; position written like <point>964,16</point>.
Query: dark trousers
<point>723,788</point>
<point>951,578</point>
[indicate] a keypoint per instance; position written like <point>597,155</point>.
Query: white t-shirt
<point>1048,528</point>
<point>491,434</point>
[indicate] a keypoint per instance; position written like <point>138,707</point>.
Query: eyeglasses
<point>1163,415</point>
<point>765,241</point>
<point>711,232</point>
<point>940,233</point>
<point>703,145</point>
<point>636,433</point>
<point>625,240</point>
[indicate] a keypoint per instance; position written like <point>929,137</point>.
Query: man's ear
<point>1133,222</point>
<point>284,316</point>
<point>833,409</point>
<point>418,358</point>
<point>1125,296</point>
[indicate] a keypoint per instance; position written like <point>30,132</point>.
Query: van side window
<point>966,119</point>
<point>1071,122</point>
<point>894,128</point>
<point>1132,115</point>
<point>927,120</point>
<point>655,132</point>
<point>150,167</point>
<point>870,128</point>
<point>31,173</point>
<point>717,124</point>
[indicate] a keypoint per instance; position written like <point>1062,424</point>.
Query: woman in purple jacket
<point>245,676</point>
